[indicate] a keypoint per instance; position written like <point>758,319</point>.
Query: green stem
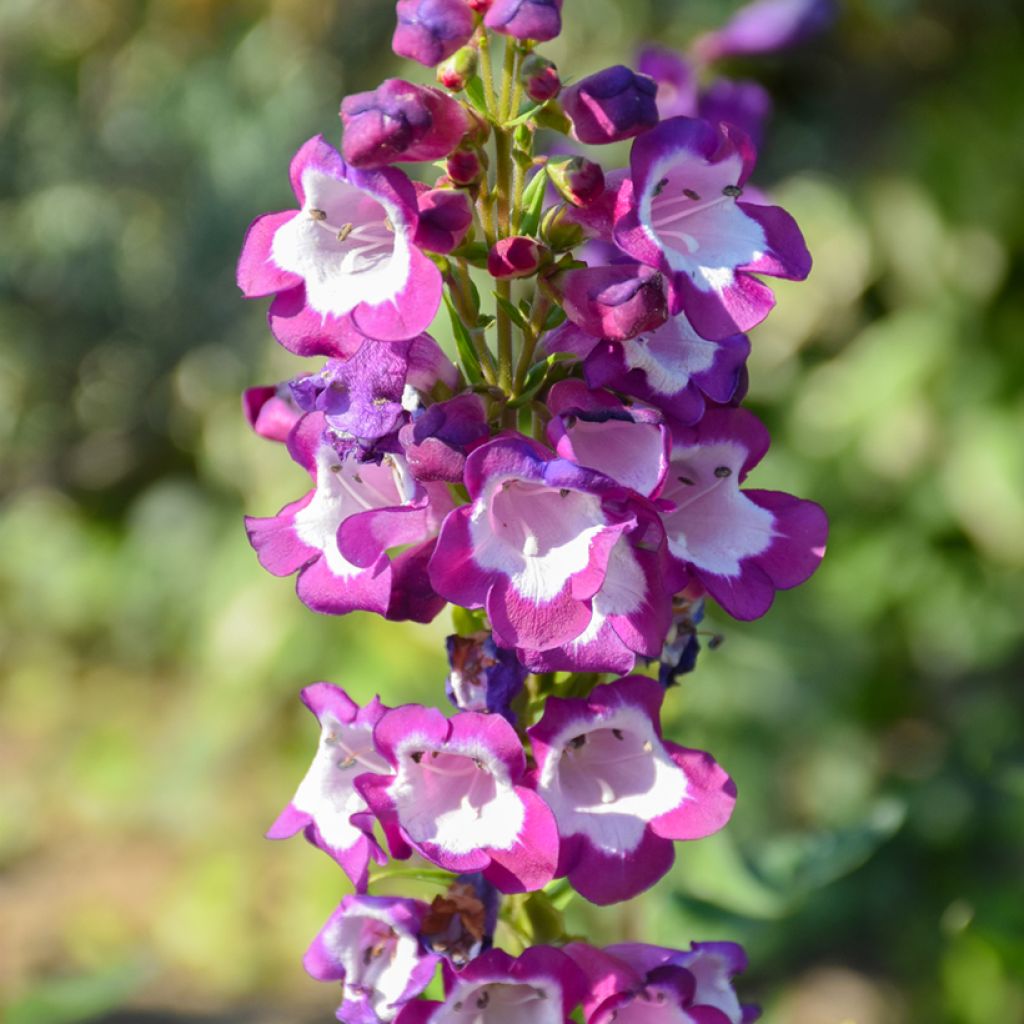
<point>541,308</point>
<point>460,289</point>
<point>504,324</point>
<point>486,74</point>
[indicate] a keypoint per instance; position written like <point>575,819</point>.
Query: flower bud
<point>579,181</point>
<point>430,31</point>
<point>615,302</point>
<point>518,256</point>
<point>400,121</point>
<point>540,78</point>
<point>611,105</point>
<point>458,69</point>
<point>560,231</point>
<point>445,217</point>
<point>526,19</point>
<point>465,166</point>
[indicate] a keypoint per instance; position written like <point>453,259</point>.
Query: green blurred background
<point>149,726</point>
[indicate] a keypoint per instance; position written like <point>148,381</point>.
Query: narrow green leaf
<point>516,317</point>
<point>533,202</point>
<point>464,345</point>
<point>476,95</point>
<point>525,115</point>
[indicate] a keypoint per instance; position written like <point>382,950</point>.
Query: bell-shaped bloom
<point>636,984</point>
<point>518,256</point>
<point>445,217</point>
<point>620,793</point>
<point>366,396</point>
<point>430,31</point>
<point>672,367</point>
<point>618,301</point>
<point>327,807</point>
<point>526,19</point>
<point>337,537</point>
<point>371,945</point>
<point>765,26</point>
<point>460,924</point>
<point>343,267</point>
<point>542,986</point>
<point>456,796</point>
<point>741,545</point>
<point>440,437</point>
<point>483,676</point>
<point>713,966</point>
<point>676,79</point>
<point>682,215</point>
<point>271,411</point>
<point>611,105</point>
<point>533,546</point>
<point>400,121</point>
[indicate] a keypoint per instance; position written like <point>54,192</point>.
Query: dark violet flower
<point>445,217</point>
<point>271,411</point>
<point>683,216</point>
<point>460,924</point>
<point>430,31</point>
<point>344,267</point>
<point>618,301</point>
<point>327,801</point>
<point>765,26</point>
<point>337,537</point>
<point>440,437</point>
<point>371,945</point>
<point>679,655</point>
<point>671,367</point>
<point>611,105</point>
<point>400,121</point>
<point>518,256</point>
<point>620,793</point>
<point>526,19</point>
<point>676,78</point>
<point>456,796</point>
<point>742,546</point>
<point>483,676</point>
<point>542,986</point>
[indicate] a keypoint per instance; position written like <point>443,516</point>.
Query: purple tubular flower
<point>682,215</point>
<point>430,31</point>
<point>676,78</point>
<point>526,19</point>
<point>611,105</point>
<point>483,676</point>
<point>400,121</point>
<point>327,806</point>
<point>618,301</point>
<point>628,985</point>
<point>534,544</point>
<point>445,217</point>
<point>366,396</point>
<point>271,411</point>
<point>439,438</point>
<point>671,367</point>
<point>518,256</point>
<point>344,267</point>
<point>713,966</point>
<point>765,26</point>
<point>742,546</point>
<point>337,537</point>
<point>745,104</point>
<point>456,796</point>
<point>371,945</point>
<point>620,793</point>
<point>542,986</point>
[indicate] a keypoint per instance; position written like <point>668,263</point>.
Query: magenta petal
<point>257,274</point>
<point>305,332</point>
<point>711,797</point>
<point>605,878</point>
<point>530,864</point>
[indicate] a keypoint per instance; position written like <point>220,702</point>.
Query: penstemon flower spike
<point>573,486</point>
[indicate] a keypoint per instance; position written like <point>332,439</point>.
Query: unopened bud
<point>559,232</point>
<point>518,256</point>
<point>579,180</point>
<point>458,69</point>
<point>465,166</point>
<point>540,78</point>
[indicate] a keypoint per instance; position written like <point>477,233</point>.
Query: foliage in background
<point>873,873</point>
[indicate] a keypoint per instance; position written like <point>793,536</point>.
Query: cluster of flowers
<point>576,497</point>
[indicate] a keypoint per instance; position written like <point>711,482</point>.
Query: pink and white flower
<point>455,795</point>
<point>337,538</point>
<point>741,545</point>
<point>371,945</point>
<point>542,986</point>
<point>343,267</point>
<point>327,807</point>
<point>681,213</point>
<point>620,793</point>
